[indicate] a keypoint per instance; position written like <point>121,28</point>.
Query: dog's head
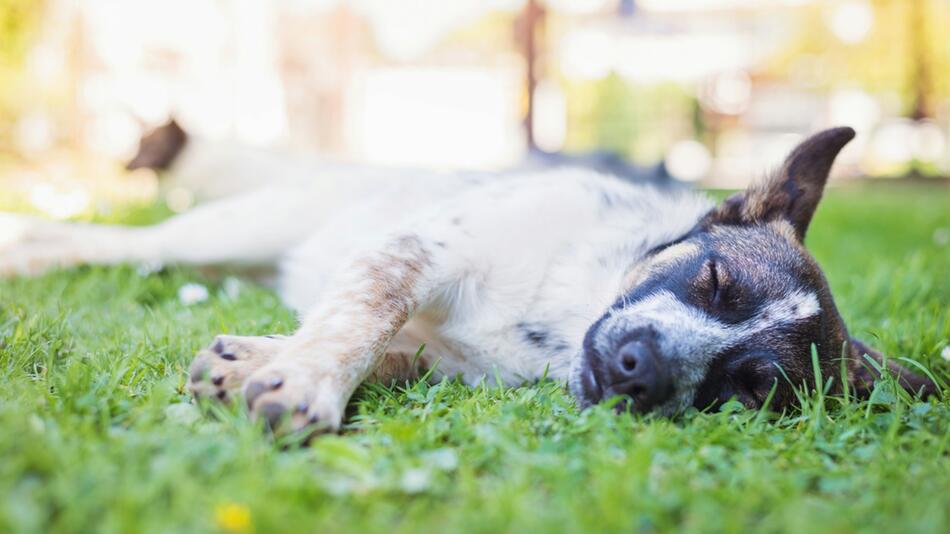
<point>733,308</point>
<point>159,147</point>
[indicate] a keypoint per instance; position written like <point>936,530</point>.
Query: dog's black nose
<point>637,372</point>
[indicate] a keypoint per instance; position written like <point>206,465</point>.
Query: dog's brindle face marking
<point>733,308</point>
<point>159,147</point>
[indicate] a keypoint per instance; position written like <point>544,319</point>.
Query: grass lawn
<point>97,433</point>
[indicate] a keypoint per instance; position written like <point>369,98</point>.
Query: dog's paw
<point>293,395</point>
<point>219,370</point>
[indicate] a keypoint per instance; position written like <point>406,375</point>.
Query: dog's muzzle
<point>634,371</point>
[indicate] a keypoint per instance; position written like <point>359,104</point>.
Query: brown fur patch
<point>355,324</point>
<point>395,367</point>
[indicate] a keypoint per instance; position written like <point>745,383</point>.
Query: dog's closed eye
<point>716,286</point>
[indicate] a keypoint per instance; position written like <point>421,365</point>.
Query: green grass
<point>97,434</point>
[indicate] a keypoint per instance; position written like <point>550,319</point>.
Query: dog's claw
<point>199,369</point>
<point>252,392</point>
<point>273,413</point>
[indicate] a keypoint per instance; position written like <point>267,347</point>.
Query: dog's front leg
<point>343,339</point>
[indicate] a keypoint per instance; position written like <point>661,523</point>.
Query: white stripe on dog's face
<point>689,338</point>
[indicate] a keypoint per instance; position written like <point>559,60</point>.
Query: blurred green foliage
<point>18,23</point>
<point>634,120</point>
<point>17,19</point>
<point>904,53</point>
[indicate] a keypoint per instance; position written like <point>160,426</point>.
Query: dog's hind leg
<point>255,228</point>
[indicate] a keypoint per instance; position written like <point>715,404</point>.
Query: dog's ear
<point>862,374</point>
<point>158,148</point>
<point>793,192</point>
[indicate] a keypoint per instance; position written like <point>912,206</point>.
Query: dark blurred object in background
<point>604,162</point>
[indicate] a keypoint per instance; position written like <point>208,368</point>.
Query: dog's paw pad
<point>227,362</point>
<point>287,397</point>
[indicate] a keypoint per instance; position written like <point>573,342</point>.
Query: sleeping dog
<point>660,298</point>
